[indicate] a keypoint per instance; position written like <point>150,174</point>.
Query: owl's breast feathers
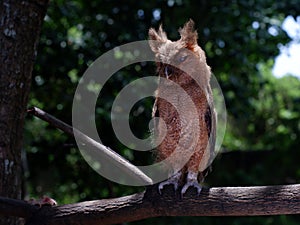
<point>174,125</point>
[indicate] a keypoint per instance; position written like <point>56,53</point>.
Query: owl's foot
<point>174,180</point>
<point>191,182</point>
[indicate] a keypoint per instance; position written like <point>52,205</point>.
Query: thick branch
<point>17,208</point>
<point>119,161</point>
<point>221,201</point>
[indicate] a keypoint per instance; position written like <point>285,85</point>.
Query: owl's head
<point>181,61</point>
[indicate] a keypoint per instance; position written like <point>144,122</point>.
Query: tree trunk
<point>20,25</point>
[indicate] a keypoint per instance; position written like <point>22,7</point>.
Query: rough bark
<point>20,25</point>
<point>219,201</point>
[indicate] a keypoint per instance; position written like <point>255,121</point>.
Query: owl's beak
<point>168,72</point>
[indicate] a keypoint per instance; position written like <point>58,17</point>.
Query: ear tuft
<point>189,35</point>
<point>157,38</point>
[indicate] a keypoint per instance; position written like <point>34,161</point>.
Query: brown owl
<point>184,77</point>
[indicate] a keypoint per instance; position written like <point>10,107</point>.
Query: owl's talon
<point>171,181</point>
<point>194,184</point>
<point>191,182</point>
<point>165,183</point>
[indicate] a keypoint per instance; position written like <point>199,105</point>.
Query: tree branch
<point>51,120</point>
<point>17,208</point>
<point>220,201</point>
<point>122,163</point>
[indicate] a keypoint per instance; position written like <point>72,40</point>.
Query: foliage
<point>240,39</point>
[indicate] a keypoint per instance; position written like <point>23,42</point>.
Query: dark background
<point>261,145</point>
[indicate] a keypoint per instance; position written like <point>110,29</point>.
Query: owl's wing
<point>211,123</point>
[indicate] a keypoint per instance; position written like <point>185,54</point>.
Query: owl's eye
<point>182,58</point>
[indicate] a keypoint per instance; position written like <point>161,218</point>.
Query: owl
<point>184,104</point>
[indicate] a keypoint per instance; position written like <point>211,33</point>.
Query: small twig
<point>126,166</point>
<point>51,120</point>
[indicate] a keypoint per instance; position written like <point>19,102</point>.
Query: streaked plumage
<point>184,63</point>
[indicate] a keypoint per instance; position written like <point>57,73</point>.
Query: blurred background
<point>253,50</point>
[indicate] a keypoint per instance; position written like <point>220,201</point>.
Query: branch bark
<point>219,201</point>
<point>16,208</point>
